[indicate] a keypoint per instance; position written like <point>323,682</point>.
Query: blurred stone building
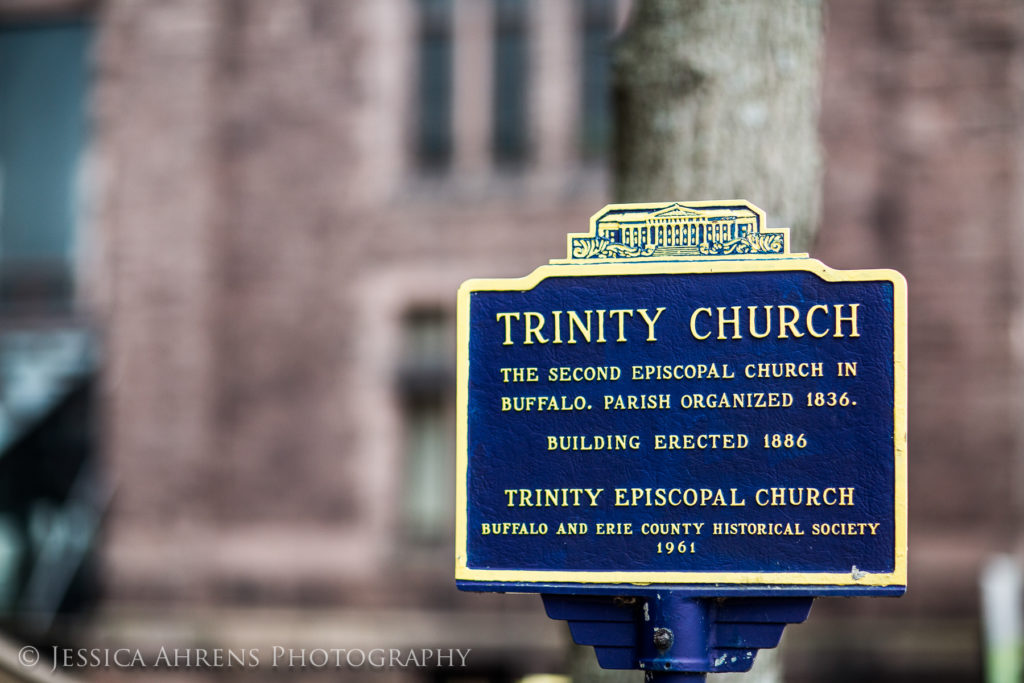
<point>269,207</point>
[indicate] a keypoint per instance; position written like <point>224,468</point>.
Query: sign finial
<point>677,231</point>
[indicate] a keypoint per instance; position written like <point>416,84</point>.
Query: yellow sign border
<point>898,577</point>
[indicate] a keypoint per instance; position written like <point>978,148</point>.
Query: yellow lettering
<point>508,326</point>
<point>810,321</point>
<point>734,321</point>
<point>533,329</point>
<point>650,321</point>
<point>852,319</point>
<point>693,323</point>
<point>789,324</point>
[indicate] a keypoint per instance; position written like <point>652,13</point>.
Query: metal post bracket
<point>663,631</point>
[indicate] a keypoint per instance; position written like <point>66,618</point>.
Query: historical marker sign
<point>683,402</point>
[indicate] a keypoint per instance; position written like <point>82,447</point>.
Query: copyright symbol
<point>28,656</point>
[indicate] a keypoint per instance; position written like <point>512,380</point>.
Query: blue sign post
<point>681,434</point>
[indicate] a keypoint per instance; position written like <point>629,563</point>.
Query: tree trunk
<point>719,99</point>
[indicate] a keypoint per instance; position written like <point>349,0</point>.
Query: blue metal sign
<point>683,402</point>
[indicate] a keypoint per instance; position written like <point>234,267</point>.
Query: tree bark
<point>719,99</point>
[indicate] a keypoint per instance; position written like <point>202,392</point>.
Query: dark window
<point>43,79</point>
<point>598,17</point>
<point>435,83</point>
<point>510,81</point>
<point>426,386</point>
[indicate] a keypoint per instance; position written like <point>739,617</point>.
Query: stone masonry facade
<point>260,230</point>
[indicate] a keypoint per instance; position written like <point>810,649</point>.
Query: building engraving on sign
<point>677,230</point>
<point>671,415</point>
